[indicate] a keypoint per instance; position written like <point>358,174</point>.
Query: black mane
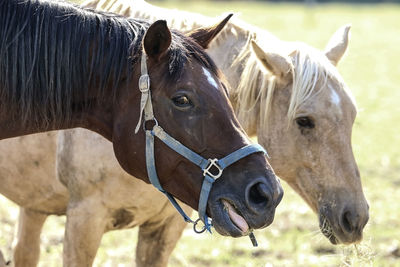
<point>51,52</point>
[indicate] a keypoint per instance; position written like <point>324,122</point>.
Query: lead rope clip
<point>253,239</point>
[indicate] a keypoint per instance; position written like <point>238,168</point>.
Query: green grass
<point>372,71</point>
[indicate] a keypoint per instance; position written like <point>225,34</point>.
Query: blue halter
<point>206,165</point>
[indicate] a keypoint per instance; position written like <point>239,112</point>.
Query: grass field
<point>372,71</point>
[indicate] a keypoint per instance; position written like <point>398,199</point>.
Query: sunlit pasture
<point>371,70</point>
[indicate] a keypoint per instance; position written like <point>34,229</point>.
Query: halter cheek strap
<point>211,168</point>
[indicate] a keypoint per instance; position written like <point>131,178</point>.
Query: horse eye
<point>182,101</point>
<point>305,122</point>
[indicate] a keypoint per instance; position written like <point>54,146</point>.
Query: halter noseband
<point>146,108</point>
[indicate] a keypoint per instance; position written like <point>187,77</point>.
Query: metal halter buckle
<point>212,163</point>
<point>144,83</point>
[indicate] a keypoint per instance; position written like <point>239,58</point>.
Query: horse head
<point>190,102</point>
<point>307,130</point>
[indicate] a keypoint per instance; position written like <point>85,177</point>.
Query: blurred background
<point>371,69</point>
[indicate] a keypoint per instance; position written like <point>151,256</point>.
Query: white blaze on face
<point>210,78</point>
<point>335,98</point>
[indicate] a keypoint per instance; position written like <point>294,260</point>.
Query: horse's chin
<point>227,220</point>
<point>335,236</point>
<point>327,230</point>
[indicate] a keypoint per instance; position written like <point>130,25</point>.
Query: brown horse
<point>46,85</point>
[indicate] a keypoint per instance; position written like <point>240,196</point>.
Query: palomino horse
<point>46,84</point>
<point>292,97</point>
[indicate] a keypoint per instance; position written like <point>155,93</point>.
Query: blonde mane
<point>253,96</point>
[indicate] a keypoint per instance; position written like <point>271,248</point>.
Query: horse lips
<point>238,220</point>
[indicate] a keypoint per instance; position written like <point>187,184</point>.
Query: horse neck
<point>45,84</point>
<point>97,118</point>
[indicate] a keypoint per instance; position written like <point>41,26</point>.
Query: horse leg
<point>86,224</point>
<point>2,261</point>
<point>158,238</point>
<point>27,246</point>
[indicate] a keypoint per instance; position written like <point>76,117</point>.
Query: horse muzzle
<point>253,209</point>
<point>344,226</point>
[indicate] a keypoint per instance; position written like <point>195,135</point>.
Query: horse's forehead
<point>334,97</point>
<point>334,92</point>
<point>210,78</point>
<point>202,80</point>
<point>337,101</point>
<point>339,93</point>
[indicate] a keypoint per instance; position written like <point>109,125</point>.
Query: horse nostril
<point>259,195</point>
<point>350,223</point>
<point>347,222</point>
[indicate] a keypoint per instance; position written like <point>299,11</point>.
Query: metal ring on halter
<point>195,229</point>
<point>207,170</point>
<point>153,119</point>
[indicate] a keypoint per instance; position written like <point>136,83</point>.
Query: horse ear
<point>278,65</point>
<point>204,36</point>
<point>337,45</point>
<point>157,40</point>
